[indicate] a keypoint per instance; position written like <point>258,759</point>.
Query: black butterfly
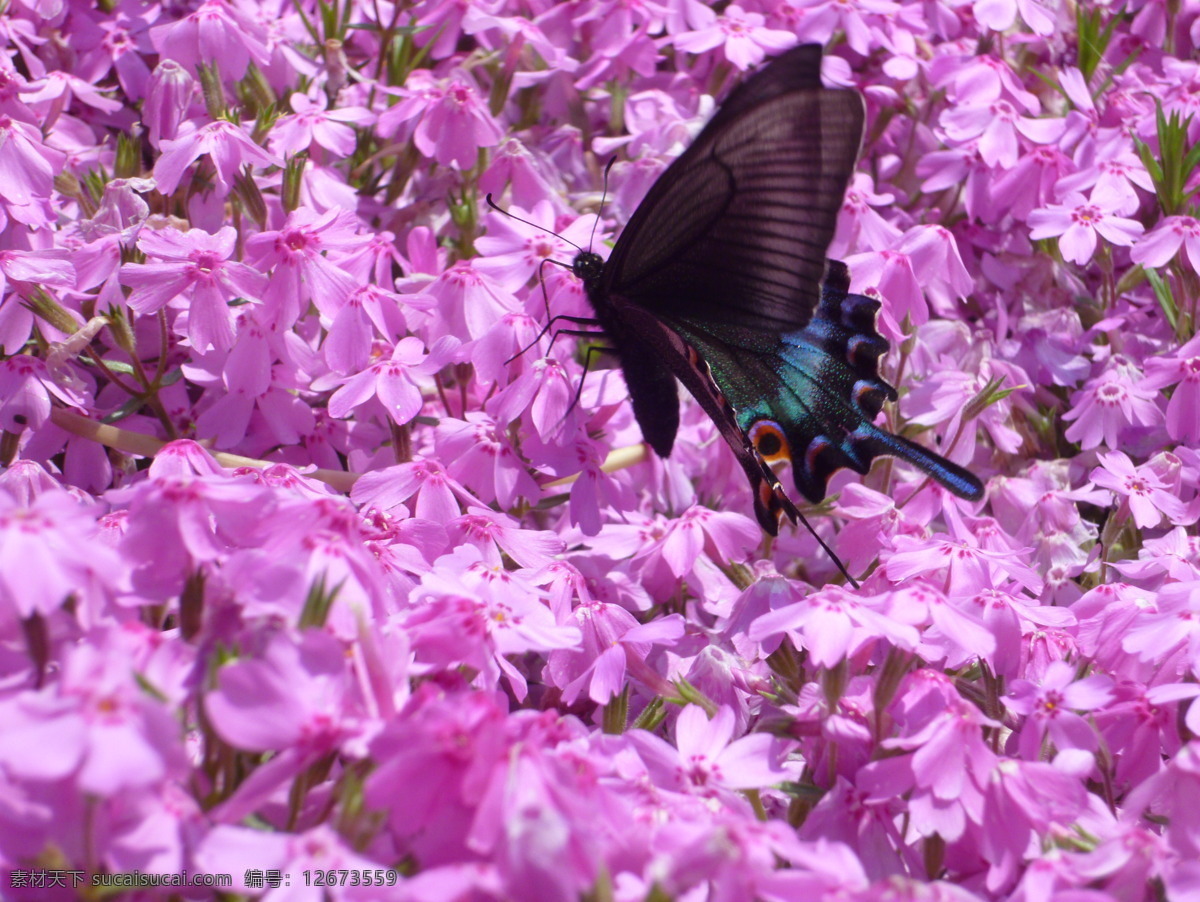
<point>714,282</point>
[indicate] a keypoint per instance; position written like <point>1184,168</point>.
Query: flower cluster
<point>323,567</point>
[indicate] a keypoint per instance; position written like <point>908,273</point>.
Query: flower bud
<point>167,99</point>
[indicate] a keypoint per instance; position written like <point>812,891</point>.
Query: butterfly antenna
<point>829,551</point>
<point>603,199</point>
<point>491,203</point>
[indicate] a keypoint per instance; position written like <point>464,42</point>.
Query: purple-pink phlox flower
<point>53,94</point>
<point>981,77</point>
<point>368,311</point>
<point>832,624</point>
<point>889,276</point>
<point>1139,727</point>
<point>197,266</point>
<point>873,518</point>
<point>1171,627</point>
<point>954,632</point>
<point>1175,555</point>
<point>1106,405</point>
<point>25,389</point>
<point>469,300</point>
<point>95,725</point>
<point>438,495</point>
<point>706,759</point>
<point>50,268</point>
<point>1051,709</point>
<point>453,121</point>
<point>27,166</point>
<point>613,644</point>
<point>725,536</point>
<point>296,697</point>
<point>229,147</point>
<point>50,550</point>
<point>296,257</point>
<point>1158,246</point>
<point>216,32</point>
<point>1078,220</point>
<point>459,617</point>
<point>312,123</point>
<point>742,35</point>
<point>969,569</point>
<point>483,458</point>
<point>493,533</point>
<point>432,763</point>
<point>525,174</point>
<point>169,95</point>
<point>997,126</point>
<point>544,391</point>
<point>1025,800</point>
<point>999,15</point>
<point>961,168</point>
<point>860,224</point>
<point>1115,171</point>
<point>177,523</point>
<point>1031,182</point>
<point>392,381</point>
<point>1148,497</point>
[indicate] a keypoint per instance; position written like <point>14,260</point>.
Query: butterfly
<point>720,280</point>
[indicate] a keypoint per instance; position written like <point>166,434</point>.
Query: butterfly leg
<point>587,363</point>
<point>578,320</point>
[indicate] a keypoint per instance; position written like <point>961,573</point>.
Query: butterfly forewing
<point>735,231</point>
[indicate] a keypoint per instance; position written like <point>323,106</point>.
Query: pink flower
<point>1163,242</point>
<point>705,761</point>
<point>215,32</point>
<point>514,251</point>
<point>295,696</point>
<point>832,624</point>
<point>195,266</point>
<point>50,551</point>
<point>311,123</point>
<point>393,382</point>
<point>25,390</point>
<point>997,125</point>
<point>1106,405</point>
<point>483,458</point>
<point>452,123</point>
<point>744,38</point>
<point>1051,709</point>
<point>27,165</point>
<point>1146,495</point>
<point>300,269</point>
<point>614,644</point>
<point>229,147</point>
<point>1181,369</point>
<point>1078,221</point>
<point>96,725</point>
<point>999,15</point>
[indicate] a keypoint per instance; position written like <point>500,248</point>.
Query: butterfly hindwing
<point>810,396</point>
<point>770,500</point>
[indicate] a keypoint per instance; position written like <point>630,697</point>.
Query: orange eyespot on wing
<point>769,441</point>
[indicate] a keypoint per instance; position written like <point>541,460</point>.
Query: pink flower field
<point>326,574</point>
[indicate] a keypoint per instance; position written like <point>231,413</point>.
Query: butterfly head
<point>587,266</point>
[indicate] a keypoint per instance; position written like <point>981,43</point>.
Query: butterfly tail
<point>946,473</point>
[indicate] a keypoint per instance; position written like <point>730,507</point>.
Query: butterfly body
<point>719,280</point>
